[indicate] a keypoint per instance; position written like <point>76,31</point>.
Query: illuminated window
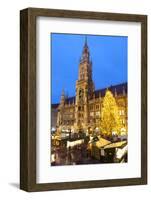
<point>97,107</point>
<point>122,112</point>
<point>82,76</point>
<point>91,107</point>
<point>91,114</point>
<point>97,120</point>
<point>97,113</point>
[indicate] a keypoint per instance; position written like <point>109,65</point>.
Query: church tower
<point>84,90</point>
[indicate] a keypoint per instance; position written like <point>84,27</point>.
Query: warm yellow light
<point>110,119</point>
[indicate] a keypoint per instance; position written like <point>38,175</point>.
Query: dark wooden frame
<point>28,98</point>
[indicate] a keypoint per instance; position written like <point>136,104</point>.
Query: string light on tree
<point>110,119</point>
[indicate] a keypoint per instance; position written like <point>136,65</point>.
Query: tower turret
<point>62,101</point>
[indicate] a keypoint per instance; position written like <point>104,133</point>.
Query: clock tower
<point>84,90</point>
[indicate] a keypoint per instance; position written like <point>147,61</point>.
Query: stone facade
<point>82,113</point>
<point>54,113</point>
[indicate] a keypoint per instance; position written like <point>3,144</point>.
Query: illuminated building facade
<point>82,113</point>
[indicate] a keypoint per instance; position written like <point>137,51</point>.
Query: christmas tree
<point>110,119</point>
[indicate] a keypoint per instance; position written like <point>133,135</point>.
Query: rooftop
<point>102,142</point>
<point>116,145</point>
<point>118,89</point>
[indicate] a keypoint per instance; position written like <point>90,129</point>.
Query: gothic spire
<point>115,93</point>
<point>63,94</point>
<point>62,97</point>
<point>124,91</point>
<point>86,45</point>
<point>85,52</point>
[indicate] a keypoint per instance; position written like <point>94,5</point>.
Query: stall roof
<point>116,145</point>
<point>102,142</point>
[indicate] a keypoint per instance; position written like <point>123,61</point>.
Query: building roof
<point>70,99</point>
<point>116,145</point>
<point>102,142</point>
<point>55,105</point>
<point>118,89</point>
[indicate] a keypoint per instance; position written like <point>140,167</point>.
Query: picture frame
<point>28,98</point>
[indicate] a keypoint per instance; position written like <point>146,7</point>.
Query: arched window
<point>81,94</point>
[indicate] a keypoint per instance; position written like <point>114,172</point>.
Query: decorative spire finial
<point>123,91</point>
<point>85,52</point>
<point>62,101</point>
<point>86,40</point>
<point>63,94</point>
<point>115,93</point>
<point>100,94</point>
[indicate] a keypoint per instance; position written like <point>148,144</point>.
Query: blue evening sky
<point>109,61</point>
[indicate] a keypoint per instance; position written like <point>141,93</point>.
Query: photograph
<point>89,99</point>
<point>83,99</point>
